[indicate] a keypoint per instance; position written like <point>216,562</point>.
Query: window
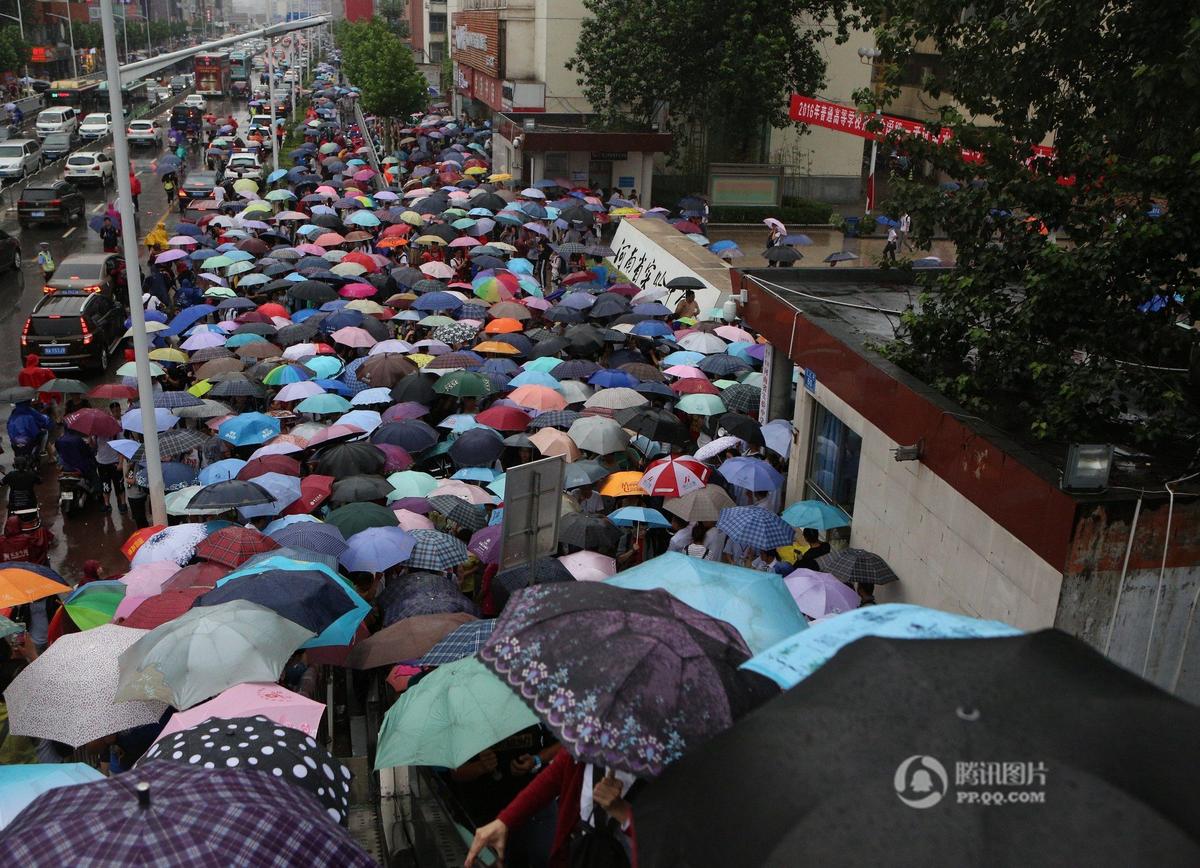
<point>437,22</point>
<point>556,165</point>
<point>437,51</point>
<point>832,461</point>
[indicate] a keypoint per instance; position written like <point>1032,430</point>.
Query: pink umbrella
<point>329,239</point>
<point>352,336</point>
<point>126,606</point>
<point>334,432</point>
<point>394,345</point>
<point>588,566</point>
<point>170,256</point>
<point>464,242</point>
<point>357,290</point>
<point>326,190</point>
<point>310,248</point>
<point>147,580</point>
<point>412,521</point>
<point>733,333</point>
<point>404,411</point>
<point>364,174</point>
<point>182,241</point>
<point>201,340</point>
<point>820,594</point>
<point>470,493</point>
<point>282,448</point>
<point>299,391</point>
<point>247,700</point>
<point>397,457</point>
<point>683,371</point>
<point>437,270</point>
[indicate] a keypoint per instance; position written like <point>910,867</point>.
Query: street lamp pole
<point>869,56</point>
<point>71,33</point>
<point>275,143</point>
<point>133,271</point>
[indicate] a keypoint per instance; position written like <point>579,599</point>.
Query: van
<point>57,119</point>
<point>19,158</point>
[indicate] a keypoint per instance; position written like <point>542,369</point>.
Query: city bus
<point>239,66</point>
<point>212,73</point>
<point>131,92</point>
<point>84,95</point>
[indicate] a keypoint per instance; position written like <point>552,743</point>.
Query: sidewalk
<point>752,241</point>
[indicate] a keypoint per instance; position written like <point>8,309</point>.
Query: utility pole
<point>275,144</point>
<point>133,271</point>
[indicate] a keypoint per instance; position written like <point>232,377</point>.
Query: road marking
<point>69,231</point>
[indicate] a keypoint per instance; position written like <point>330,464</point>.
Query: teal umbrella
<point>323,404</point>
<point>453,713</point>
<point>756,603</point>
<point>21,784</point>
<point>325,367</point>
<point>411,483</point>
<point>816,514</point>
<point>701,405</point>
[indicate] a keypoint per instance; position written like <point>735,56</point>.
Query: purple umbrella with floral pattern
<point>630,680</point>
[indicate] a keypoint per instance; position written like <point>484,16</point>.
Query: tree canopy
<point>14,52</point>
<point>1072,270</point>
<point>730,64</point>
<point>376,61</point>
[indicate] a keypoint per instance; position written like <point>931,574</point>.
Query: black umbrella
<point>592,532</point>
<point>543,571</point>
<point>607,306</point>
<point>577,214</point>
<point>351,459</point>
<point>260,744</point>
<point>571,248</point>
<point>416,388</point>
<point>427,284</point>
<point>585,340</point>
<point>522,343</point>
<point>237,386</point>
<point>722,365</point>
<point>743,427</point>
<point>406,276</point>
<point>658,425</point>
<point>488,200</point>
<point>299,333</point>
<point>421,593</point>
<point>327,221</point>
<point>441,230</point>
<point>1084,757</point>
<point>459,511</point>
<point>553,346</point>
<point>780,253</point>
<point>312,290</point>
<point>685,282</point>
<point>230,494</point>
<point>412,435</point>
<point>354,489</point>
<point>478,447</point>
<point>858,565</point>
<point>562,313</point>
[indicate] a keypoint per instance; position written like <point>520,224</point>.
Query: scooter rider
<point>27,430</point>
<point>76,454</point>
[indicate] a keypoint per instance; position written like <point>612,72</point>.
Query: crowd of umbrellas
<point>336,427</point>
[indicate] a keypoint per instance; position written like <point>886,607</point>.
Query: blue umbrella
<point>220,471</point>
<point>797,239</point>
<point>652,328</point>
<point>462,641</point>
<point>187,318</point>
<point>164,420</point>
<point>756,603</point>
<point>794,658</point>
<point>627,516</point>
<point>21,784</point>
<point>533,378</point>
<point>755,527</point>
<point>751,473</point>
<point>249,429</point>
<point>816,514</point>
<point>377,549</point>
<point>342,629</point>
<point>682,357</point>
<point>722,246</point>
<point>175,475</point>
<point>284,491</point>
<point>437,301</point>
<point>606,379</point>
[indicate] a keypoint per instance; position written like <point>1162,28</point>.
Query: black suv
<point>198,185</point>
<point>73,329</point>
<point>44,201</point>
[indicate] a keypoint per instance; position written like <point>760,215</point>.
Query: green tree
<point>376,61</point>
<point>88,35</point>
<point>395,13</point>
<point>14,52</point>
<point>727,64</point>
<point>1051,334</point>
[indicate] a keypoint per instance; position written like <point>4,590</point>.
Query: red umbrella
<point>400,229</point>
<point>362,259</point>
<point>273,308</point>
<point>93,423</point>
<point>504,418</point>
<point>314,490</point>
<point>138,538</point>
<point>284,464</point>
<point>626,289</point>
<point>675,477</point>
<point>694,386</point>
<point>161,608</point>
<point>357,290</point>
<point>203,575</point>
<point>252,316</point>
<point>113,392</point>
<point>688,227</point>
<point>577,277</point>
<point>233,546</point>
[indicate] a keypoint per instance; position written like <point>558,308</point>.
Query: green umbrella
<point>214,262</point>
<point>354,517</point>
<point>280,195</point>
<point>463,384</point>
<point>66,386</point>
<point>411,483</point>
<point>701,405</point>
<point>95,603</point>
<point>451,714</point>
<point>323,405</point>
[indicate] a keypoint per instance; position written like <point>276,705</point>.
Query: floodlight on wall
<point>909,453</point>
<point>529,124</point>
<point>1088,467</point>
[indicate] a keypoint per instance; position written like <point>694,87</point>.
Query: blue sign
<point>810,380</point>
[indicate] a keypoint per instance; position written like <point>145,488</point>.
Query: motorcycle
<point>74,492</point>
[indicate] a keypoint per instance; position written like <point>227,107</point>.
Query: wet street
<point>90,534</point>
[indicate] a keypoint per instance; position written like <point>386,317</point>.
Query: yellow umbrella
<point>421,359</point>
<point>622,484</point>
<point>150,328</point>
<point>475,170</point>
<point>351,268</point>
<point>365,305</point>
<point>431,239</point>
<point>498,347</point>
<point>258,205</point>
<point>245,185</point>
<point>168,354</point>
<point>500,176</point>
<point>200,389</point>
<point>625,212</point>
<point>412,218</point>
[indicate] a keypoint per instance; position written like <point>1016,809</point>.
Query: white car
<point>243,164</point>
<point>145,133</point>
<point>57,119</point>
<point>90,166</point>
<point>195,100</point>
<point>95,125</point>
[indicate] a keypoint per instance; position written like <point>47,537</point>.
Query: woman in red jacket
<point>564,778</point>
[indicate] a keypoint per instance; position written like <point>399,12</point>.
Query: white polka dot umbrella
<point>259,744</point>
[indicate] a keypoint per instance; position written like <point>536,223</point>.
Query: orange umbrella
<point>623,484</point>
<point>538,398</point>
<point>129,549</point>
<point>498,347</point>
<point>19,586</point>
<point>503,326</point>
<point>550,441</point>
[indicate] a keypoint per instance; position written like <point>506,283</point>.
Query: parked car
<point>56,146</point>
<point>243,164</point>
<point>195,100</point>
<point>95,125</point>
<point>56,119</point>
<point>50,202</point>
<point>19,158</point>
<point>198,185</point>
<point>102,273</point>
<point>74,329</point>
<point>146,132</point>
<point>10,252</point>
<point>90,166</point>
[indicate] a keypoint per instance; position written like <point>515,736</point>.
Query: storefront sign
<point>609,156</point>
<point>764,393</point>
<point>463,79</point>
<point>627,182</point>
<point>475,41</point>
<point>645,263</point>
<point>486,89</point>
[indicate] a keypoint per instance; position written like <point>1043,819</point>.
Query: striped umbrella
<point>436,551</point>
<point>674,477</point>
<point>461,642</point>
